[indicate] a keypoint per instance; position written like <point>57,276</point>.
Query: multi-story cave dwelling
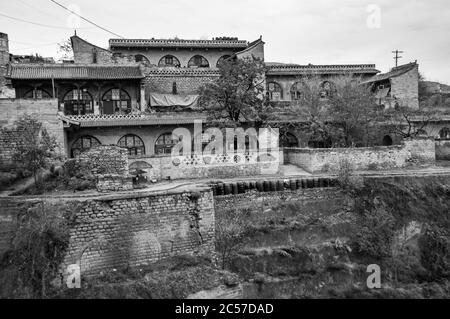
<point>137,91</point>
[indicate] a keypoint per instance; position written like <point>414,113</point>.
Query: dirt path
<point>288,172</point>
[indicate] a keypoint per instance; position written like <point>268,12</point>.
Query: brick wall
<point>138,229</point>
<point>12,109</point>
<point>382,157</point>
<point>184,84</point>
<point>406,88</point>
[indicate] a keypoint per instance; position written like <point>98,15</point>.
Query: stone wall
<point>194,167</point>
<point>421,149</point>
<point>106,159</point>
<point>140,228</point>
<point>365,158</point>
<point>12,109</point>
<point>110,165</point>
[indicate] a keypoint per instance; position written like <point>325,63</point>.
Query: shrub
<point>345,173</point>
<point>38,248</point>
<point>435,251</point>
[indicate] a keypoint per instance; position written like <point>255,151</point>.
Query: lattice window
<point>223,58</point>
<point>198,61</point>
<point>296,91</point>
<point>169,60</point>
<point>274,91</point>
<point>78,102</point>
<point>120,99</point>
<point>165,143</point>
<point>37,94</point>
<point>133,143</point>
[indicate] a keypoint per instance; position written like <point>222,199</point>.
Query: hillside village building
<point>135,93</point>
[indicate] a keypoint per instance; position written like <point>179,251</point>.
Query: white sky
<point>295,31</point>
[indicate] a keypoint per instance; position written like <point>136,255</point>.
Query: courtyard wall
<point>365,158</point>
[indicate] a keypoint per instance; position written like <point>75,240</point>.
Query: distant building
<point>399,87</point>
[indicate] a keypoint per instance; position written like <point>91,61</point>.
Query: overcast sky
<point>295,31</point>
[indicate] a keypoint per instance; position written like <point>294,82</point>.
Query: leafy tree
<point>312,107</point>
<point>238,94</point>
<point>352,108</point>
<point>35,147</point>
<point>341,114</point>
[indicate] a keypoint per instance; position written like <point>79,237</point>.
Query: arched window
<point>296,91</point>
<point>78,102</point>
<point>82,144</point>
<point>142,59</point>
<point>37,94</point>
<point>222,58</point>
<point>116,101</point>
<point>169,60</point>
<point>387,140</point>
<point>274,91</point>
<point>288,140</point>
<point>133,143</point>
<point>444,133</point>
<point>164,144</point>
<point>328,88</point>
<point>198,61</point>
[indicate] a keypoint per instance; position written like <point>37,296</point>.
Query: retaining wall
<point>365,158</point>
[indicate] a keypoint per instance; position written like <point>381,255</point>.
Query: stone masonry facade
<point>12,109</point>
<point>138,229</point>
<point>110,165</point>
<point>373,158</point>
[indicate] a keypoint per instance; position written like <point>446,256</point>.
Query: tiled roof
<point>131,119</point>
<point>397,71</point>
<point>157,43</point>
<point>73,72</point>
<point>171,71</point>
<point>294,69</point>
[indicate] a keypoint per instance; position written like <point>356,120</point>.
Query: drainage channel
<point>234,188</point>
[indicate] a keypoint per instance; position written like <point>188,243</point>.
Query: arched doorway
<point>288,140</point>
<point>387,140</point>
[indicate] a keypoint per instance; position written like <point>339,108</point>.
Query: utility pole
<point>397,56</point>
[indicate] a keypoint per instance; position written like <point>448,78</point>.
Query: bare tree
<point>406,122</point>
<point>65,49</point>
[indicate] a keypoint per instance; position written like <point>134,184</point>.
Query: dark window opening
<point>387,140</point>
